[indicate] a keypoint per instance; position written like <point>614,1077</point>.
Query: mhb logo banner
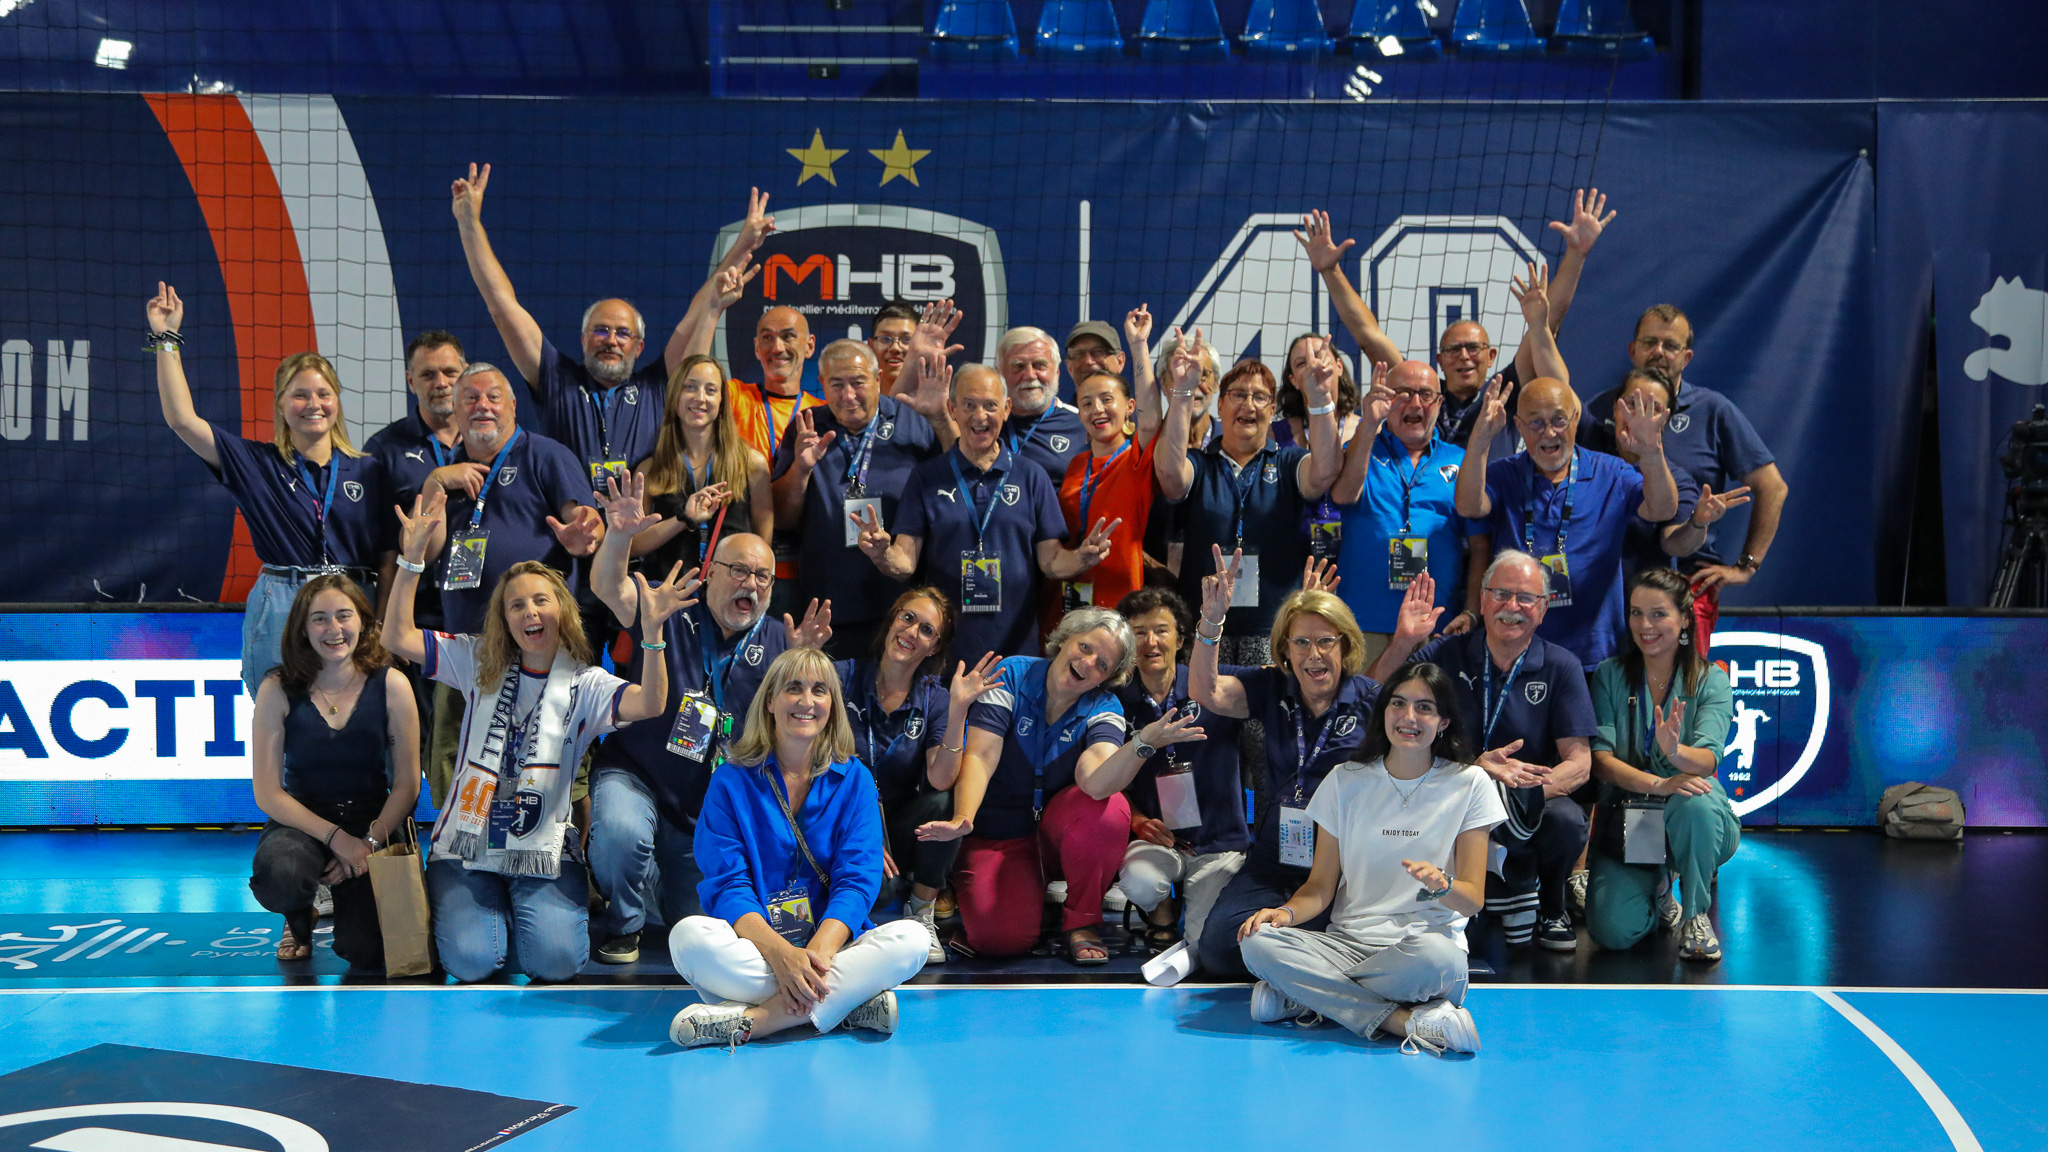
<point>1781,689</point>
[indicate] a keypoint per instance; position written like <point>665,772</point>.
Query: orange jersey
<point>1121,489</point>
<point>752,408</point>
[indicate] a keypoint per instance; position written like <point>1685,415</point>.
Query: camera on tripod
<point>2026,463</point>
<point>2022,579</point>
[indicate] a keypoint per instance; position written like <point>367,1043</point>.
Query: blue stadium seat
<point>1286,30</point>
<point>1601,28</point>
<point>1079,30</point>
<point>974,30</point>
<point>1372,21</point>
<point>1496,28</point>
<point>1181,31</point>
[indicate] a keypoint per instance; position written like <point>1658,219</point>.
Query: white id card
<point>1246,594</point>
<point>858,508</point>
<point>1297,837</point>
<point>1177,803</point>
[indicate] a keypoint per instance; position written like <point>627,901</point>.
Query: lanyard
<point>994,498</point>
<point>1395,452</point>
<point>1571,481</point>
<point>863,454</point>
<point>1088,481</point>
<point>1491,706</point>
<point>1049,745</point>
<point>768,414</point>
<point>876,715</point>
<point>1167,704</point>
<point>483,495</point>
<point>322,505</point>
<point>718,670</point>
<point>1243,487</point>
<point>796,829</point>
<point>1649,730</point>
<point>1303,756</point>
<point>1017,443</point>
<point>604,426</point>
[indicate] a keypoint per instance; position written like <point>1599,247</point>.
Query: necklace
<point>333,709</point>
<point>1409,794</point>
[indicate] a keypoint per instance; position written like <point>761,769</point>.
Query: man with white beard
<point>1042,428</point>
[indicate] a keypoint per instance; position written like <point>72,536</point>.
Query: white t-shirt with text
<point>1380,821</point>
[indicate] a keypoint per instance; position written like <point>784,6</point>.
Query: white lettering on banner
<point>17,389</point>
<point>926,277</point>
<point>1259,291</point>
<point>1765,674</point>
<point>123,720</point>
<point>1426,273</point>
<point>1772,689</point>
<point>66,389</point>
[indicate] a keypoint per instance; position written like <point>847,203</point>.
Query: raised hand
<point>1500,763</point>
<point>1096,547</point>
<point>874,540</point>
<point>660,601</point>
<point>1670,725</point>
<point>816,629</point>
<point>1533,295</point>
<point>1639,425</point>
<point>969,684</point>
<point>1493,411</point>
<point>1175,727</point>
<point>165,311</point>
<point>759,225</point>
<point>934,384</point>
<point>1217,590</point>
<point>429,514</point>
<point>1712,507</point>
<point>1138,326</point>
<point>733,280</point>
<point>1317,243</point>
<point>625,505</point>
<point>1185,365</point>
<point>1319,576</point>
<point>934,328</point>
<point>810,447</point>
<point>1417,618</point>
<point>1320,388</point>
<point>705,502</point>
<point>581,532</point>
<point>468,195</point>
<point>1379,402</point>
<point>1587,221</point>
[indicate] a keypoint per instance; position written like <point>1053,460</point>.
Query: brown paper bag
<point>400,885</point>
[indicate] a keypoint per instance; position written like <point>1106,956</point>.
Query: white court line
<point>1952,1122</point>
<point>245,989</point>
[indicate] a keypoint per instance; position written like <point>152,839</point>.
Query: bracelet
<point>159,341</point>
<point>1212,641</point>
<point>1325,410</point>
<point>413,566</point>
<point>654,645</point>
<point>1292,919</point>
<point>329,842</point>
<point>960,751</point>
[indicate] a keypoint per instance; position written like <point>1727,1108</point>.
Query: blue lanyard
<point>1168,704</point>
<point>1088,481</point>
<point>1303,756</point>
<point>604,427</point>
<point>1016,443</point>
<point>324,504</point>
<point>1649,729</point>
<point>1571,481</point>
<point>876,715</point>
<point>1050,745</point>
<point>443,454</point>
<point>717,671</point>
<point>1395,452</point>
<point>994,498</point>
<point>1486,701</point>
<point>483,495</point>
<point>863,454</point>
<point>1243,487</point>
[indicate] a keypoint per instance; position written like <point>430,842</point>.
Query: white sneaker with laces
<point>1438,1027</point>
<point>1669,912</point>
<point>1270,1007</point>
<point>1700,943</point>
<point>323,901</point>
<point>877,1015</point>
<point>703,1024</point>
<point>936,953</point>
<point>1575,891</point>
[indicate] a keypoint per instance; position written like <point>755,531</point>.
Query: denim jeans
<point>263,617</point>
<point>480,916</point>
<point>637,857</point>
<point>288,865</point>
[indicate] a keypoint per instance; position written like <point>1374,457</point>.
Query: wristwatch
<point>1145,750</point>
<point>1748,562</point>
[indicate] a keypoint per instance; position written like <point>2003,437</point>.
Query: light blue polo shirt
<point>1403,497</point>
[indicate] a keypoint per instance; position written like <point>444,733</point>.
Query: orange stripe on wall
<point>260,264</point>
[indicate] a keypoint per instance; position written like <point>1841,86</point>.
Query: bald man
<point>1569,506</point>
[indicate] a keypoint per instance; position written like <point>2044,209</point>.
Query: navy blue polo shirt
<point>1050,439</point>
<point>1274,699</point>
<point>698,654</point>
<point>1454,417</point>
<point>1271,522</point>
<point>1037,755</point>
<point>828,568</point>
<point>409,453</point>
<point>282,504</point>
<point>935,511</point>
<point>1707,438</point>
<point>1643,544</point>
<point>893,744</point>
<point>1547,700</point>
<point>539,477</point>
<point>1603,504</point>
<point>597,423</point>
<point>1403,497</point>
<point>1219,788</point>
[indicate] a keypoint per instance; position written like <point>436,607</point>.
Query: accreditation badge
<point>465,566</point>
<point>1078,594</point>
<point>789,913</point>
<point>1560,580</point>
<point>981,581</point>
<point>1178,808</point>
<point>859,508</point>
<point>1325,537</point>
<point>1407,558</point>
<point>615,469</point>
<point>1297,837</point>
<point>695,727</point>
<point>1246,594</point>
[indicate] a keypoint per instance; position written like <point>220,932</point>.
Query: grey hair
<point>1516,556</point>
<point>1082,620</point>
<point>855,348</point>
<point>1162,361</point>
<point>1018,337</point>
<point>478,368</point>
<point>639,321</point>
<point>960,373</point>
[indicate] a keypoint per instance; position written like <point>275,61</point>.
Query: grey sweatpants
<point>1151,871</point>
<point>1358,985</point>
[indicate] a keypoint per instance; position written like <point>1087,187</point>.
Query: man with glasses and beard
<point>1531,714</point>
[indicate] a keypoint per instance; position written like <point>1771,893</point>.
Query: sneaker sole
<point>618,958</point>
<point>887,1025</point>
<point>1559,945</point>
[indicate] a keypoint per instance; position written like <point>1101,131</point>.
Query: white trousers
<point>1151,870</point>
<point>721,966</point>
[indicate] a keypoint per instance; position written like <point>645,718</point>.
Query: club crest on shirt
<point>1023,725</point>
<point>632,395</point>
<point>1272,472</point>
<point>754,654</point>
<point>1536,691</point>
<point>353,490</point>
<point>1680,421</point>
<point>1346,725</point>
<point>1448,471</point>
<point>887,430</point>
<point>1059,443</point>
<point>1012,494</point>
<point>915,729</point>
<point>510,473</point>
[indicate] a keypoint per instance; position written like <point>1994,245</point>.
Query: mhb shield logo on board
<point>838,263</point>
<point>1781,689</point>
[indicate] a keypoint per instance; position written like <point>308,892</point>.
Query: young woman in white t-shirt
<point>1401,864</point>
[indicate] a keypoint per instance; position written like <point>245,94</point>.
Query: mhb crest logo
<point>1781,689</point>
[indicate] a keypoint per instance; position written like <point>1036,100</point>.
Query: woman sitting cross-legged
<point>1402,856</point>
<point>790,843</point>
<point>337,768</point>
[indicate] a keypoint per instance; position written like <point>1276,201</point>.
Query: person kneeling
<point>790,842</point>
<point>1416,811</point>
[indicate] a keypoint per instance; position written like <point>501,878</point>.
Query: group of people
<point>1320,678</point>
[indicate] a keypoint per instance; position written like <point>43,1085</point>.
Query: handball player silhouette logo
<point>1782,698</point>
<point>839,263</point>
<point>2018,314</point>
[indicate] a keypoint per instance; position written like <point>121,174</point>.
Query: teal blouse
<point>1626,719</point>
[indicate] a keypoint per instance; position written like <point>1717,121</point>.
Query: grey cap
<point>1096,328</point>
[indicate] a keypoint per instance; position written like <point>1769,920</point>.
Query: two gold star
<point>897,160</point>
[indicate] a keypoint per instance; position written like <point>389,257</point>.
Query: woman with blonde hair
<point>1313,705</point>
<point>701,466</point>
<point>504,859</point>
<point>313,503</point>
<point>790,844</point>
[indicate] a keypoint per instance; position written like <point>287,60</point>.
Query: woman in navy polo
<point>312,502</point>
<point>1313,704</point>
<point>899,712</point>
<point>1040,789</point>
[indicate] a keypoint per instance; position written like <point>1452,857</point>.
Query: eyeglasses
<point>1423,396</point>
<point>1521,599</point>
<point>1469,348</point>
<point>923,629</point>
<point>601,332</point>
<point>1651,344</point>
<point>890,341</point>
<point>1557,423</point>
<point>1303,645</point>
<point>1249,399</point>
<point>1091,353</point>
<point>741,574</point>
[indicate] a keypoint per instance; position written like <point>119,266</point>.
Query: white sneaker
<point>877,1015</point>
<point>936,952</point>
<point>1438,1027</point>
<point>323,901</point>
<point>1270,1007</point>
<point>1669,912</point>
<point>1114,901</point>
<point>702,1024</point>
<point>1700,943</point>
<point>1575,892</point>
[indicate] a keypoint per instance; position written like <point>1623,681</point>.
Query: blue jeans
<point>637,857</point>
<point>1261,883</point>
<point>477,915</point>
<point>263,618</point>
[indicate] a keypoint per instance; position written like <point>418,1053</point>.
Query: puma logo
<point>2020,314</point>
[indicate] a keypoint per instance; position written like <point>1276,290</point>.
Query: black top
<point>685,544</point>
<point>327,764</point>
